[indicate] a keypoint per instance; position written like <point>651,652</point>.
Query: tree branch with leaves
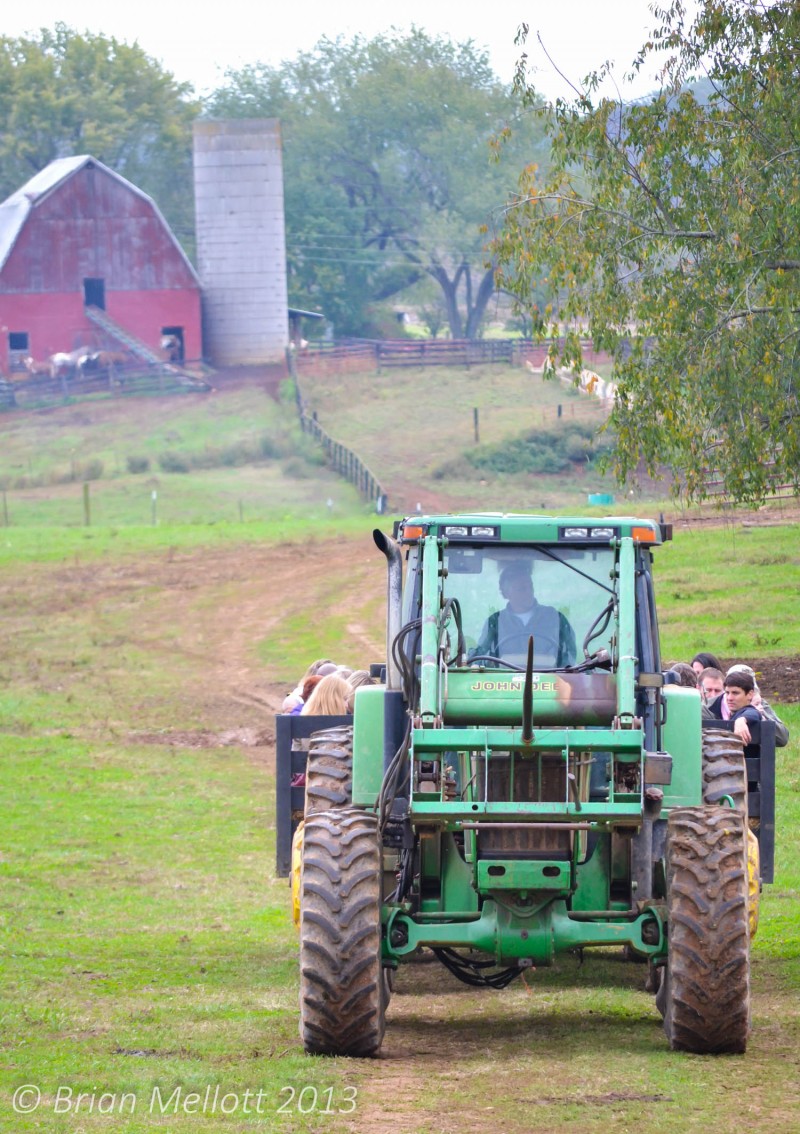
<point>670,227</point>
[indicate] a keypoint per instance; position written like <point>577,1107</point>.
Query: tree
<point>672,227</point>
<point>388,170</point>
<point>65,93</point>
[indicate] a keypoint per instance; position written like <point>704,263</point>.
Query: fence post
<point>475,424</point>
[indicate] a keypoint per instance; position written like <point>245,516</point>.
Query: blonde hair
<point>329,698</point>
<point>358,678</point>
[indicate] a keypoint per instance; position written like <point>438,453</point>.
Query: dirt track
<point>214,608</point>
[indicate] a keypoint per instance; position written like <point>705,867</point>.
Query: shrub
<point>297,468</point>
<point>576,447</point>
<point>310,451</point>
<point>236,453</point>
<point>138,464</point>
<point>271,447</point>
<point>170,461</point>
<point>287,391</point>
<point>459,468</point>
<point>91,470</point>
<point>267,447</point>
<point>538,451</point>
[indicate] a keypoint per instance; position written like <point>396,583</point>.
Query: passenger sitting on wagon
<point>328,699</point>
<point>703,661</point>
<point>711,684</point>
<point>765,710</point>
<point>309,685</point>
<point>321,667</point>
<point>738,699</point>
<point>682,674</point>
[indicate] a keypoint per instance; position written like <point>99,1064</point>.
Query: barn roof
<point>16,209</point>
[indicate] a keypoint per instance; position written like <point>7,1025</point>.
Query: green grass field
<point>149,962</point>
<point>732,590</point>
<point>148,952</point>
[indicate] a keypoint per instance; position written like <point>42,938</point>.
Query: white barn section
<point>241,242</point>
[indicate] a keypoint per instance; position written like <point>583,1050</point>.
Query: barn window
<point>18,350</point>
<point>94,293</point>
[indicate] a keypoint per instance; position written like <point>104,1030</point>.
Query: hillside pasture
<point>231,455</point>
<point>416,430</point>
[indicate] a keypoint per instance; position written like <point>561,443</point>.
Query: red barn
<point>86,259</point>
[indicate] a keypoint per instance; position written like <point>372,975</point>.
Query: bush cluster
<point>138,464</point>
<point>236,453</point>
<point>538,451</point>
<point>77,472</point>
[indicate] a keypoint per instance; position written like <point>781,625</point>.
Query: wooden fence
<point>115,381</point>
<point>352,355</point>
<point>345,461</point>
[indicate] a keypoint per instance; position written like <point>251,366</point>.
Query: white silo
<point>241,242</point>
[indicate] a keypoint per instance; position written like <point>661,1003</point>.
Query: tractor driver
<point>506,632</point>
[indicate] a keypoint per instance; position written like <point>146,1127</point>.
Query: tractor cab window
<point>561,596</point>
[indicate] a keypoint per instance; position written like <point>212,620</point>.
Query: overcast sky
<point>197,42</point>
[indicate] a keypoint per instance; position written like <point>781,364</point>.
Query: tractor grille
<point>536,779</point>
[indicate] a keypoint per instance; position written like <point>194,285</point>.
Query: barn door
<point>94,293</point>
<point>172,343</point>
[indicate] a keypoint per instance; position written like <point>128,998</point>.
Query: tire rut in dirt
<point>342,998</point>
<point>329,771</point>
<point>724,769</point>
<point>707,992</point>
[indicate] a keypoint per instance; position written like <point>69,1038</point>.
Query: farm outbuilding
<point>87,259</point>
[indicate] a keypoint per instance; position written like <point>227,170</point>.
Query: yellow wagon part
<point>297,865</point>
<point>753,880</point>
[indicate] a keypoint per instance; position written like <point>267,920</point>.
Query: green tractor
<point>524,782</point>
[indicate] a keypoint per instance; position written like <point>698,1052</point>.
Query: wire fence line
<point>344,460</point>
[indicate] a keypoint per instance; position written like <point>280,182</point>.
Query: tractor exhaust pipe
<point>394,598</point>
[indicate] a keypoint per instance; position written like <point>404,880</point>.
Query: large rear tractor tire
<point>342,993</point>
<point>724,769</point>
<point>329,770</point>
<point>706,987</point>
<point>725,773</point>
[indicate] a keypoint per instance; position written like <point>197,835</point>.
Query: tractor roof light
<point>602,533</point>
<point>471,531</point>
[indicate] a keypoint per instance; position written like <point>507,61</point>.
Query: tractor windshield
<point>561,596</point>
